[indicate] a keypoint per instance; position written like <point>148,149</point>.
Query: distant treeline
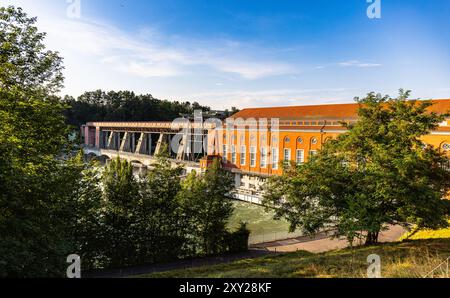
<point>125,106</point>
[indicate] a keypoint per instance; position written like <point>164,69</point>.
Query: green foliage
<point>378,173</point>
<point>164,234</point>
<point>237,241</point>
<point>124,106</point>
<point>127,221</point>
<point>120,194</point>
<point>24,62</point>
<point>85,205</point>
<point>34,190</point>
<point>207,203</point>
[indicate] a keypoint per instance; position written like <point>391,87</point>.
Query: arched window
<point>300,140</point>
<point>287,140</point>
<point>314,141</point>
<point>446,147</point>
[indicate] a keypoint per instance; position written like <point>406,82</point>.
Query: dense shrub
<point>237,241</point>
<point>155,218</point>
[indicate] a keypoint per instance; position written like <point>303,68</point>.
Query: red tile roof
<point>326,112</point>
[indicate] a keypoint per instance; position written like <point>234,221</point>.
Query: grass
<point>427,234</point>
<point>260,223</point>
<point>409,259</point>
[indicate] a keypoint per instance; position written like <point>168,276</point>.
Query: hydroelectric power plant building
<point>252,144</point>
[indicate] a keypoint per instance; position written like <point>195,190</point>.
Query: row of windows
<point>299,158</point>
<point>315,123</point>
<point>294,123</point>
<point>306,123</point>
<point>314,140</point>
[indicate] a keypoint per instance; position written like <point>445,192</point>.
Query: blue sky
<point>249,53</point>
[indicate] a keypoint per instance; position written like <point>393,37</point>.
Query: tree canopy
<point>34,188</point>
<point>124,106</point>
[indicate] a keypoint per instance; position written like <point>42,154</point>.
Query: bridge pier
<point>159,144</point>
<point>146,139</point>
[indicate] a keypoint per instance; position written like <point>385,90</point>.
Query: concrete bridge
<point>140,162</point>
<point>140,142</point>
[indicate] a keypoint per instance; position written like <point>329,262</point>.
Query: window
<point>287,155</point>
<point>233,154</point>
<point>225,152</point>
<point>287,140</point>
<point>253,157</point>
<point>312,153</point>
<point>275,158</point>
<point>314,141</point>
<point>243,155</point>
<point>263,157</point>
<point>300,140</point>
<point>446,147</point>
<point>300,158</point>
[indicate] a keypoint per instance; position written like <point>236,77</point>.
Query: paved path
<point>184,264</point>
<point>322,242</point>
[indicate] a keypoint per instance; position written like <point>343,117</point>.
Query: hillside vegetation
<point>408,259</point>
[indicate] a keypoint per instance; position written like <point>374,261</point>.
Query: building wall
<point>292,140</point>
<point>250,179</point>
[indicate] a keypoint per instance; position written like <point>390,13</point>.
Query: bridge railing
<point>164,125</point>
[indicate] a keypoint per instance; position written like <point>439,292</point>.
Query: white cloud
<point>251,69</point>
<point>357,63</point>
<point>277,97</point>
<point>100,55</point>
<point>147,53</point>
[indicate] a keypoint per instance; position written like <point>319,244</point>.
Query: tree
<point>25,63</point>
<point>378,173</point>
<point>33,137</point>
<point>163,230</point>
<point>120,194</point>
<point>124,106</point>
<point>86,203</point>
<point>207,201</point>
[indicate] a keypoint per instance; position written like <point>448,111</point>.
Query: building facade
<point>255,143</point>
